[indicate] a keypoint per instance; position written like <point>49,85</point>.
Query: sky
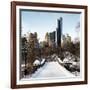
<point>42,22</point>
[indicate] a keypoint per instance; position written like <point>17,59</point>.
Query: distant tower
<point>59,32</point>
<point>47,37</point>
<point>52,39</point>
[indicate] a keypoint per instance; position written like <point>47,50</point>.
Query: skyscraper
<point>59,32</point>
<point>54,38</point>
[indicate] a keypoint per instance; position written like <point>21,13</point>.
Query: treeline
<point>31,50</point>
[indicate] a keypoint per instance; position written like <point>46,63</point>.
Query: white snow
<point>51,70</point>
<point>65,60</point>
<point>43,60</point>
<point>36,62</point>
<point>74,63</point>
<point>59,60</point>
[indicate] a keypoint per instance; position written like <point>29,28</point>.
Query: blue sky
<point>42,22</point>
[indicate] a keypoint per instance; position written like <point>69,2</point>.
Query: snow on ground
<point>59,60</point>
<point>51,70</point>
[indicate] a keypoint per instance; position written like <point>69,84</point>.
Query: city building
<point>53,39</point>
<point>47,37</point>
<point>33,39</point>
<point>52,36</point>
<point>59,32</point>
<point>55,36</point>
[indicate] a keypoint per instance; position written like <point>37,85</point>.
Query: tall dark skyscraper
<point>55,36</point>
<point>59,32</point>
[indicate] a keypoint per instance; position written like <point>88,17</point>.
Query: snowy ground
<point>50,70</point>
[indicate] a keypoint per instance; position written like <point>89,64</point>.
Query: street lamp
<point>24,51</point>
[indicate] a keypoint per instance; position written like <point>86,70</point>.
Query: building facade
<point>59,31</point>
<point>55,36</point>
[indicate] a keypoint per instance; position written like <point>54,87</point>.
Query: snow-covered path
<point>51,70</point>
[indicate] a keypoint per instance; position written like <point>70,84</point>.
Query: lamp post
<point>25,59</point>
<point>24,55</point>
